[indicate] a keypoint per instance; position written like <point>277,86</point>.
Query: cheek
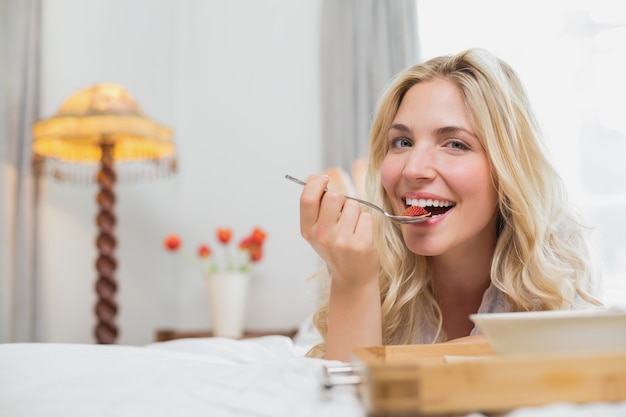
<point>389,174</point>
<point>477,181</point>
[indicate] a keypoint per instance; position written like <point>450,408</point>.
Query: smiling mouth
<point>434,207</point>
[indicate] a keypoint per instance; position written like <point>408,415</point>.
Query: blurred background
<point>247,88</point>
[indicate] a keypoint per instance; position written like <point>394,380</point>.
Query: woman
<point>457,136</point>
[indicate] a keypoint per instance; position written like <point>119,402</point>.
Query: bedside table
<point>163,335</point>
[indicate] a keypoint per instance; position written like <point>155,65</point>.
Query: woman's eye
<point>456,144</point>
<point>401,143</point>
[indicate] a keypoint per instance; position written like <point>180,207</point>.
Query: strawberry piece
<point>415,211</point>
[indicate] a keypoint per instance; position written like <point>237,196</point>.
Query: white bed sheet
<point>267,376</point>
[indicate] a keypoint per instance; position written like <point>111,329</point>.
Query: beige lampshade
<point>98,115</point>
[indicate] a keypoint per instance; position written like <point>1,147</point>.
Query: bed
<point>264,376</point>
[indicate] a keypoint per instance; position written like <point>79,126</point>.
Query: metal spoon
<point>393,218</point>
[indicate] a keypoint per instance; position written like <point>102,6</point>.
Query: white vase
<point>228,298</point>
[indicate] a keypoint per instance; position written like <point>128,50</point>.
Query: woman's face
<point>436,161</point>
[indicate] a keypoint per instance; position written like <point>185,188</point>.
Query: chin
<point>424,251</point>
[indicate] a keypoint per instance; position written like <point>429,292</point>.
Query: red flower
<point>224,235</point>
<point>253,244</point>
<point>204,251</point>
<point>172,243</point>
<point>250,251</point>
<point>258,236</point>
<point>245,243</point>
<point>257,254</point>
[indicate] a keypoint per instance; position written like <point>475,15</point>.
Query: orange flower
<point>224,235</point>
<point>204,251</point>
<point>245,243</point>
<point>250,251</point>
<point>253,244</point>
<point>258,236</point>
<point>257,254</point>
<point>172,243</point>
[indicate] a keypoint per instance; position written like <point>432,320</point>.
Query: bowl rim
<point>548,314</point>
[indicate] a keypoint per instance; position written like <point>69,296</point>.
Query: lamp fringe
<point>85,173</point>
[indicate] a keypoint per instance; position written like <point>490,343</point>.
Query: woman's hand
<point>339,232</point>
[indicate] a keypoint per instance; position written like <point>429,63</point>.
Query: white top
<point>493,301</point>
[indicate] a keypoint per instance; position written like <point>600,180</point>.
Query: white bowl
<point>554,332</point>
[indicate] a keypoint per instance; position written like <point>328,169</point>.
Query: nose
<point>420,164</point>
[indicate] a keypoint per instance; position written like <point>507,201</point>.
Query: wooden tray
<point>467,377</point>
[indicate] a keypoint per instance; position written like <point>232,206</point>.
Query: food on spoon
<point>414,211</point>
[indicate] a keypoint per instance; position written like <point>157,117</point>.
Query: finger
<point>355,227</point>
<point>331,209</point>
<point>344,226</point>
<point>349,216</point>
<point>364,231</point>
<point>310,202</point>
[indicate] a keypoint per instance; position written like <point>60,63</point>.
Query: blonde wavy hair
<point>542,259</point>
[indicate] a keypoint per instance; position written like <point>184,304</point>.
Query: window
<point>571,58</point>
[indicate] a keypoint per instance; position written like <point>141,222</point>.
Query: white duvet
<point>267,376</point>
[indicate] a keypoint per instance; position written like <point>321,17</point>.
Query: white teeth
<point>422,202</point>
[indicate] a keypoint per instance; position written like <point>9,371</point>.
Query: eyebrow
<point>452,129</point>
<point>439,131</point>
<point>400,127</point>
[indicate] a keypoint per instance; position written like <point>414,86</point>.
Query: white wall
<point>238,82</point>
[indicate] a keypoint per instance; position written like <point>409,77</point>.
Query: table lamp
<point>96,129</point>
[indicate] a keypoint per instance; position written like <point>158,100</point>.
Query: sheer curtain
<point>364,44</point>
<point>19,92</point>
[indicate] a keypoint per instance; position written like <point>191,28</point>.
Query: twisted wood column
<point>106,286</point>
